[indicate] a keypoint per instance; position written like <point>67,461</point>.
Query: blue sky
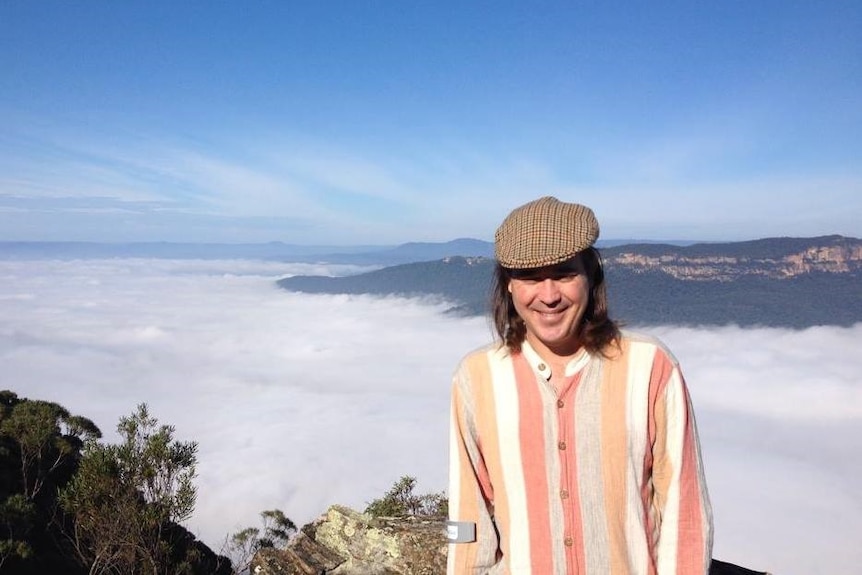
<point>386,122</point>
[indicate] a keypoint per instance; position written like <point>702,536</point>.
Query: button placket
<point>568,483</point>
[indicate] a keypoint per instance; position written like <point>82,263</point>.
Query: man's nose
<point>549,291</point>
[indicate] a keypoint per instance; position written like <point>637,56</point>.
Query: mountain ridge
<point>269,251</point>
<point>780,282</point>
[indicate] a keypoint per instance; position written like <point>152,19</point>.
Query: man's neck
<point>558,357</point>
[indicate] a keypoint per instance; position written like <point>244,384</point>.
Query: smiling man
<point>573,444</point>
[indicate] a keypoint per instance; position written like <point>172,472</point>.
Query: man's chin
<point>557,340</point>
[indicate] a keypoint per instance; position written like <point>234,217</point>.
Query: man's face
<point>551,301</point>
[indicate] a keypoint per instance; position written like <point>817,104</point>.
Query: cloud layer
<point>300,401</point>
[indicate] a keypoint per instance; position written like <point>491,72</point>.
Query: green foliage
<point>40,447</point>
<point>18,517</point>
<point>277,528</point>
<point>126,498</point>
<point>161,468</point>
<point>401,501</point>
<point>71,505</point>
<point>242,545</point>
<point>46,437</point>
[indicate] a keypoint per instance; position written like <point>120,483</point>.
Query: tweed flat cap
<point>544,232</point>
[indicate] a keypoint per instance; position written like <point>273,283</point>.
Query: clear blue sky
<point>385,122</point>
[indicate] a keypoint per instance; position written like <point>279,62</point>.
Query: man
<point>573,444</point>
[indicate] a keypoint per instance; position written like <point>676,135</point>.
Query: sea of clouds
<point>300,401</point>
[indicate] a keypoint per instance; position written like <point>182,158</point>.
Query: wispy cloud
<point>252,187</point>
<point>339,193</point>
<point>302,401</point>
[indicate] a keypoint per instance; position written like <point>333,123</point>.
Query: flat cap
<point>544,232</point>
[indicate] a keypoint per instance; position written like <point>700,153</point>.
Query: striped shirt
<point>603,477</point>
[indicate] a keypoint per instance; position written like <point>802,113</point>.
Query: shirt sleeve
<point>471,494</point>
<point>681,500</point>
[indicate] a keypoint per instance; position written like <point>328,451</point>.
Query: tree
<point>40,447</point>
<point>17,515</point>
<point>46,435</point>
<point>401,501</point>
<point>242,545</point>
<point>126,499</point>
<point>277,528</point>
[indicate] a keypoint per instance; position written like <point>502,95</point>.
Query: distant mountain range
<point>786,282</point>
<point>271,251</point>
<point>792,282</point>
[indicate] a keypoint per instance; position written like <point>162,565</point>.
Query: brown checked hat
<point>544,232</point>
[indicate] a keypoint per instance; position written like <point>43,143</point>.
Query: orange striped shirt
<point>602,477</point>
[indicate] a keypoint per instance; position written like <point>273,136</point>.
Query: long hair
<point>598,330</point>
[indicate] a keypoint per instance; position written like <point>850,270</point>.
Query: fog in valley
<point>299,401</point>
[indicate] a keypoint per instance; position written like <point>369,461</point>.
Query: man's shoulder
<point>479,365</point>
<point>494,351</point>
<point>634,341</point>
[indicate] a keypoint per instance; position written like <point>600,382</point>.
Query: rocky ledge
<point>343,541</point>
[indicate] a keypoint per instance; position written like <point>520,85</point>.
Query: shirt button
<point>542,367</point>
<point>568,541</point>
<point>562,445</point>
<point>560,403</point>
<point>564,494</point>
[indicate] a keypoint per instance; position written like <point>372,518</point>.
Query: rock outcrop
<point>343,541</point>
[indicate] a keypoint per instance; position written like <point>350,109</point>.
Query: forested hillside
<point>779,282</point>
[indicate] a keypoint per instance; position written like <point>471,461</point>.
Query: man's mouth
<point>550,315</point>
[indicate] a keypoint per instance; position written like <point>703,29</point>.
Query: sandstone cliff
<point>772,259</point>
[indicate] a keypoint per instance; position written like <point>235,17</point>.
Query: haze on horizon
<point>345,123</point>
<point>301,401</point>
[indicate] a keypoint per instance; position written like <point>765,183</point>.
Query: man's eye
<point>555,277</point>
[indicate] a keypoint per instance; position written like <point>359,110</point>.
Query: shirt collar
<point>544,370</point>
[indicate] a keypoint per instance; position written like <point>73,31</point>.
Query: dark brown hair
<point>598,331</point>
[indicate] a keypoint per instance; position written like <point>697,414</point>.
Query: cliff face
<point>833,255</point>
<point>838,259</point>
